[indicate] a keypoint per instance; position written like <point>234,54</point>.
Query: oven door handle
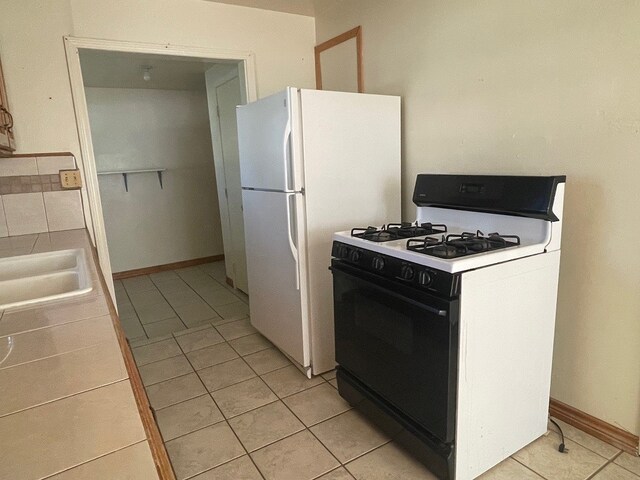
<point>362,278</point>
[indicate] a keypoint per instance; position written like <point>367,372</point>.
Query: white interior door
<point>228,97</point>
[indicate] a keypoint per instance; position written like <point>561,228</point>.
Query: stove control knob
<point>377,263</point>
<point>354,256</point>
<point>406,272</point>
<point>342,251</point>
<point>425,278</point>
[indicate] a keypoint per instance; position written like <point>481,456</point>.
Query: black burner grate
<point>397,231</point>
<point>461,245</point>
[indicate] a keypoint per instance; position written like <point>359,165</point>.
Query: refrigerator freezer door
<point>264,142</point>
<point>277,293</point>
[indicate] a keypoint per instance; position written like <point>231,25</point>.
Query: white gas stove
<point>446,324</point>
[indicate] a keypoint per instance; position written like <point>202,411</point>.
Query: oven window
<point>389,337</point>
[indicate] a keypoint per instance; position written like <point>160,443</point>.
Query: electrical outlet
<point>70,179</point>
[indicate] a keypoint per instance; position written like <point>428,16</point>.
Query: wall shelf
<point>125,174</point>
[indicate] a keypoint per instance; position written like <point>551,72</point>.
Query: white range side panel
<point>351,152</point>
<point>507,320</point>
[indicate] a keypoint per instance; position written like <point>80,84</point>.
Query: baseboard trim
<point>167,266</point>
<point>606,432</point>
<point>229,282</point>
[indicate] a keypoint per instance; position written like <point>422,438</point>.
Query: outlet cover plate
<point>70,179</point>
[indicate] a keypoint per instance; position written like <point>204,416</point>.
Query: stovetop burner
<point>455,246</point>
<point>397,231</point>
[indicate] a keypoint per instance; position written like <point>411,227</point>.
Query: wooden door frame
<point>87,161</point>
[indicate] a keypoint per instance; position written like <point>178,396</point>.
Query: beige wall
<point>34,63</point>
<point>541,87</point>
<point>138,128</point>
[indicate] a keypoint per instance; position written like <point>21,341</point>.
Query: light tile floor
<point>231,407</point>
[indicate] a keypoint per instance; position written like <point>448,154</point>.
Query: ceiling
<point>300,7</point>
<point>126,70</point>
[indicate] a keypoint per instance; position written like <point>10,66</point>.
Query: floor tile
<point>266,361</point>
<point>242,397</point>
<point>316,404</point>
<point>241,468</point>
<point>265,425</point>
<point>349,435</point>
<point>542,457</point>
<point>614,472</point>
<point>217,297</point>
<point>181,296</point>
<point>132,327</point>
<point>389,462</point>
<point>592,443</point>
<point>509,469</point>
<point>299,457</point>
<point>629,462</point>
<point>237,329</point>
<point>225,374</point>
<point>334,383</point>
<point>138,284</point>
<point>174,391</point>
<point>194,313</point>
<point>289,380</point>
<point>164,370</point>
<point>191,330</point>
<point>155,313</point>
<point>156,351</point>
<point>250,344</point>
<point>203,449</point>
<point>146,298</point>
<point>199,339</point>
<point>337,474</point>
<point>133,462</point>
<point>329,375</point>
<point>163,327</point>
<point>188,416</point>
<point>233,310</point>
<point>148,341</point>
<point>206,357</point>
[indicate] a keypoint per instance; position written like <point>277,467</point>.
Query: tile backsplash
<point>31,198</point>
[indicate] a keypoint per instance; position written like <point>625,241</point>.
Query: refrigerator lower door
<point>277,293</point>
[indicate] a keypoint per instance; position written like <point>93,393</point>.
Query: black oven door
<point>401,343</point>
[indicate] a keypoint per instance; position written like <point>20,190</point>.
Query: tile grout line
<point>225,419</point>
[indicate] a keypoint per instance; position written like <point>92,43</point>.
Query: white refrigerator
<point>312,163</point>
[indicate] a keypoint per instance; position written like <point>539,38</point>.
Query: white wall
<point>541,87</point>
<point>144,128</point>
<point>34,63</point>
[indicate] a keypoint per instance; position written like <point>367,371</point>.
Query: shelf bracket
<point>160,179</point>
<point>126,183</point>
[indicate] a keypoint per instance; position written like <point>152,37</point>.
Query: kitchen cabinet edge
<point>158,450</point>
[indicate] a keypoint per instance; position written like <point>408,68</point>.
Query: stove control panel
<point>408,273</point>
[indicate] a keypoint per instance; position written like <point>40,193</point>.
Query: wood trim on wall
<point>154,438</point>
<point>600,429</point>
<point>332,42</point>
<point>167,266</point>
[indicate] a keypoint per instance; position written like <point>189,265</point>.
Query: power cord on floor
<point>561,447</point>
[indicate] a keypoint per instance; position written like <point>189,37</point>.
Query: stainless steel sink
<point>41,277</point>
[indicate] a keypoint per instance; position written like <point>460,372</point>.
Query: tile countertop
<point>67,407</point>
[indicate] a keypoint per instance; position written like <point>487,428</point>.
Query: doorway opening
<point>163,148</point>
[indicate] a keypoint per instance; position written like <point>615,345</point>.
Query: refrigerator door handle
<point>292,245</point>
